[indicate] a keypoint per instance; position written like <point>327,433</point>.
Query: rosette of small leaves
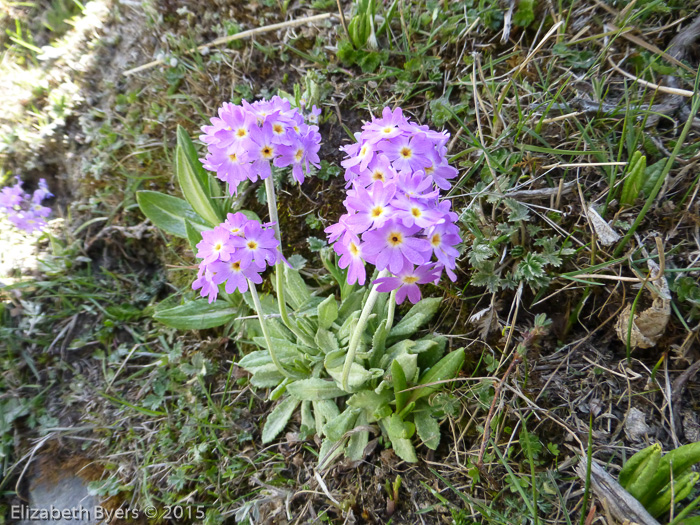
<point>391,379</point>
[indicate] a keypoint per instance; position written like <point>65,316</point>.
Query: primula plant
<point>23,210</point>
<point>340,359</point>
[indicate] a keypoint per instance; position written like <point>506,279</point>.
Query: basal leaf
<point>327,312</point>
<point>446,368</point>
<point>427,428</point>
<point>314,389</point>
<point>193,190</point>
<point>169,213</point>
<point>279,418</point>
<point>417,316</point>
<point>197,315</point>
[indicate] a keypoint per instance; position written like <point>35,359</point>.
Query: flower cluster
<point>395,219</point>
<point>236,251</point>
<point>24,210</point>
<point>245,141</point>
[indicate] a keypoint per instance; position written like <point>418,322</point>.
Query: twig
<point>237,36</point>
<point>662,89</point>
<point>342,21</point>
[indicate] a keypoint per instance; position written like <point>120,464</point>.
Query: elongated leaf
<point>446,368</point>
<point>427,428</point>
<point>339,425</point>
<point>326,341</point>
<point>324,411</point>
<point>282,348</point>
<point>193,236</point>
<point>314,389</point>
<point>193,190</point>
<point>279,418</point>
<point>327,312</point>
<point>351,304</point>
<point>297,293</point>
<point>169,213</point>
<point>399,434</point>
<point>197,315</point>
<point>399,379</point>
<point>358,441</point>
<point>417,316</point>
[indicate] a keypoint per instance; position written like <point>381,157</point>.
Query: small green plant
<point>657,481</point>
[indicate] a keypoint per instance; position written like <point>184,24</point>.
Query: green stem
<point>667,167</point>
<point>279,269</point>
<point>390,313</point>
<point>266,335</point>
<point>359,330</point>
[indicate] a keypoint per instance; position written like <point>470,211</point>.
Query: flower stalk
<point>266,335</point>
<point>359,330</point>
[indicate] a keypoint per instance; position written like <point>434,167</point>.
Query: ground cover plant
<point>569,269</point>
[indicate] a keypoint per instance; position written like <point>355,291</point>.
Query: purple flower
<point>215,245</point>
<point>206,283</point>
<point>302,151</point>
<point>443,238</point>
<point>351,258</point>
<point>379,170</point>
<point>408,153</point>
<point>406,282</point>
<point>257,244</point>
<point>262,150</point>
<point>25,211</point>
<point>371,208</point>
<point>394,246</point>
<point>235,222</point>
<point>236,275</point>
<point>416,211</point>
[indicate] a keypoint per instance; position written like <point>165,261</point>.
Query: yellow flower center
<point>416,212</point>
<point>241,132</point>
<point>236,266</point>
<point>429,169</point>
<point>266,152</point>
<point>388,129</point>
<point>278,129</point>
<point>252,245</point>
<point>233,157</point>
<point>378,175</point>
<point>377,211</point>
<point>354,249</point>
<point>435,239</point>
<point>395,238</point>
<point>299,155</point>
<point>409,279</point>
<point>406,152</point>
<point>218,246</point>
<point>363,151</point>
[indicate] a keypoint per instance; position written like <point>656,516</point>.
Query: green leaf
<point>417,316</point>
<point>193,190</point>
<point>446,368</point>
<point>358,441</point>
<point>339,425</point>
<point>399,433</point>
<point>185,143</point>
<point>351,304</point>
<point>427,428</point>
<point>371,402</point>
<point>279,418</point>
<point>325,456</point>
<point>399,380</point>
<point>169,213</point>
<point>297,291</point>
<point>634,179</point>
<point>324,411</point>
<point>327,312</point>
<point>197,315</point>
<point>358,374</point>
<point>326,341</point>
<point>193,235</point>
<point>314,389</point>
<point>266,376</point>
<point>285,350</point>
